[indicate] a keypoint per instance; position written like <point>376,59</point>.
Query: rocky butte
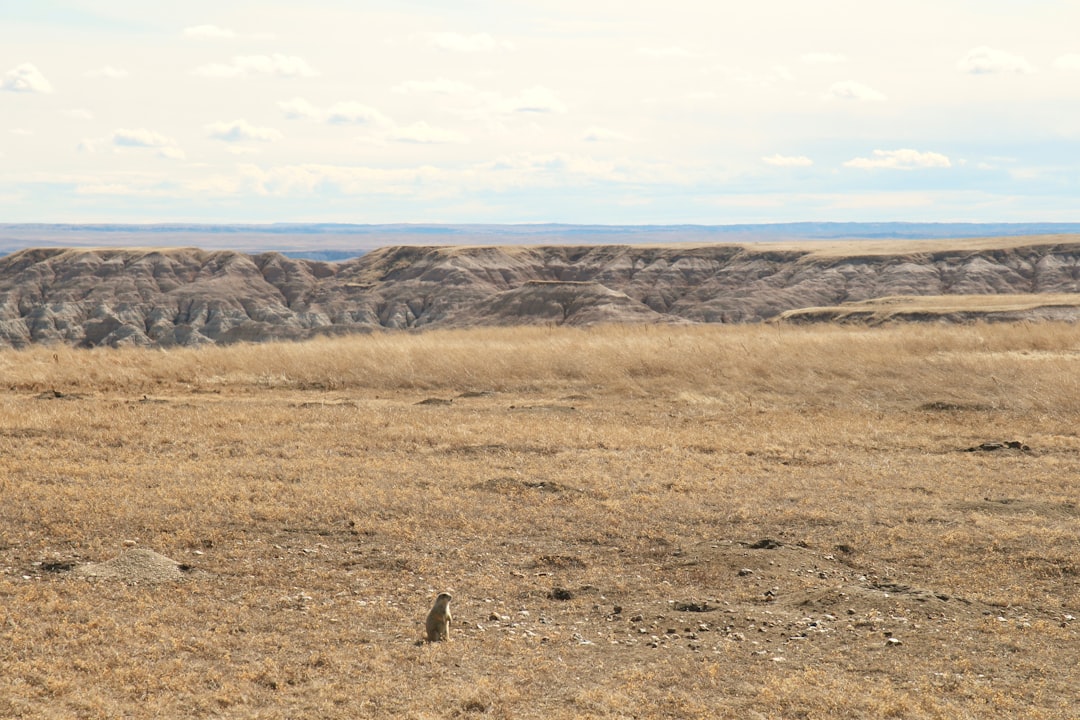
<point>171,297</point>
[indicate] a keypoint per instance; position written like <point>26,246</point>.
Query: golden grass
<point>321,508</point>
<point>848,247</point>
<point>870,248</point>
<point>887,308</point>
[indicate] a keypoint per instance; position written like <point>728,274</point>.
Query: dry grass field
<point>635,522</point>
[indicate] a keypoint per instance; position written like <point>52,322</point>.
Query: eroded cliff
<point>190,296</point>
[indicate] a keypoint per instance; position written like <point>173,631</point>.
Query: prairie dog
<point>437,624</point>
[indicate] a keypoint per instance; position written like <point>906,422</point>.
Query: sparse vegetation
<point>732,522</point>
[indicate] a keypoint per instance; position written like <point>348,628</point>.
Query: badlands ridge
<point>186,296</point>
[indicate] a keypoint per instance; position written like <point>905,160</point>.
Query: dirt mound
<point>792,580</point>
<point>136,566</point>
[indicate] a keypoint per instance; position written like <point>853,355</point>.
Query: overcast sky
<point>581,111</point>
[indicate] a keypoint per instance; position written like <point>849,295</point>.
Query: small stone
<point>745,571</point>
<point>893,642</point>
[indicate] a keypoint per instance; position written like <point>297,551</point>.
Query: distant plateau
<point>167,297</point>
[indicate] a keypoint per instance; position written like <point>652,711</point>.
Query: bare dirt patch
<point>135,566</point>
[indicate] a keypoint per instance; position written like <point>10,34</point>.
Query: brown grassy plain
<point>635,522</point>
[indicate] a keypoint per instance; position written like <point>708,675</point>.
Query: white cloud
<point>138,138</point>
<point>311,177</point>
<point>702,96</point>
<point>536,99</point>
<point>1070,61</point>
<point>79,114</point>
<point>601,134</point>
<point>524,170</point>
<point>422,133</point>
<point>904,159</point>
<point>299,108</point>
<point>240,131</point>
<point>242,150</point>
<point>287,66</point>
<point>441,86</point>
<point>879,200</point>
<point>456,42</point>
<point>107,71</point>
<point>758,80</point>
<point>216,32</point>
<point>92,145</point>
<point>787,160</point>
<point>209,31</point>
<point>988,61</point>
<point>823,58</point>
<point>21,131</point>
<point>383,127</point>
<point>665,52</point>
<point>354,113</point>
<point>851,90</point>
<point>219,70</point>
<point>342,113</point>
<point>520,170</point>
<point>479,103</point>
<point>108,189</point>
<point>25,78</point>
<point>172,152</point>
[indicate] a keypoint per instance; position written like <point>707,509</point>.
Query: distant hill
<point>187,296</point>
<point>336,241</point>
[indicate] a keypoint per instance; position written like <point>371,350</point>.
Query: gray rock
<point>192,297</point>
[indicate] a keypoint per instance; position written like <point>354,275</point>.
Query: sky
<point>524,111</point>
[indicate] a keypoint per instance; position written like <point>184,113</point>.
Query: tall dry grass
<point>1024,367</point>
